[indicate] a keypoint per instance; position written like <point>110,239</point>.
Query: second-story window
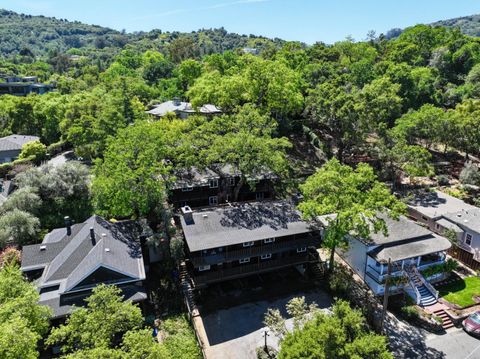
<point>301,250</point>
<point>266,256</point>
<point>213,183</point>
<point>248,244</point>
<point>231,181</point>
<point>203,268</point>
<point>187,188</point>
<point>269,240</point>
<point>468,239</point>
<point>244,260</point>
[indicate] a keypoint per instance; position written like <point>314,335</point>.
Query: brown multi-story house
<point>216,185</point>
<point>233,241</point>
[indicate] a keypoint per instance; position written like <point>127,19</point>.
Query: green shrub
<point>447,267</point>
<point>409,312</point>
<point>443,180</point>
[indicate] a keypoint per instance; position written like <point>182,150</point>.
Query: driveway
<point>235,333</point>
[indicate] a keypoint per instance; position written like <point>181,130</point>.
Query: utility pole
<point>385,295</point>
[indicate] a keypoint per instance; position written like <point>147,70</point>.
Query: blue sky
<point>303,20</point>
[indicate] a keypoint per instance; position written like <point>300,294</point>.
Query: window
<point>187,188</point>
<point>227,198</point>
<point>203,268</point>
<point>213,200</point>
<point>424,218</point>
<point>269,240</point>
<point>244,260</point>
<point>468,239</point>
<point>231,181</point>
<point>266,256</point>
<point>213,183</point>
<point>437,226</point>
<point>259,196</point>
<point>248,244</point>
<point>301,250</point>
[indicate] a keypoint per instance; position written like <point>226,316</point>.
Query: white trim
<point>213,183</point>
<point>301,250</point>
<point>248,244</point>
<point>269,240</point>
<point>266,256</point>
<point>93,271</point>
<point>244,260</point>
<point>467,235</point>
<point>187,188</point>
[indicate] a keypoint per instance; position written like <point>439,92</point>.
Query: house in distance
<point>182,109</point>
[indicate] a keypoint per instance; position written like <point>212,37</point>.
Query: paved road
<point>409,342</point>
<point>455,344</point>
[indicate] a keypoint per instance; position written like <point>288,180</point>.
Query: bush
<point>447,267</point>
<point>56,148</point>
<point>409,312</point>
<point>10,256</point>
<point>35,150</point>
<point>470,174</point>
<point>443,180</point>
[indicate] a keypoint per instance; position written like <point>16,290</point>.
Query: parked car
<point>472,323</point>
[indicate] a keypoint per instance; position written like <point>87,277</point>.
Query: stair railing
<point>430,287</point>
<point>414,289</point>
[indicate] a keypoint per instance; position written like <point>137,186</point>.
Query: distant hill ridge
<point>469,25</point>
<point>41,35</point>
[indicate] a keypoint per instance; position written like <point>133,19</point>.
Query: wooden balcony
<point>201,280</point>
<point>255,251</point>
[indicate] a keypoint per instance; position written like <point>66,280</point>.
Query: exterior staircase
<point>188,293</point>
<point>447,322</point>
<point>426,296</point>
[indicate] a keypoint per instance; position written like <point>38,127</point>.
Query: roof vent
<point>107,250</point>
<point>205,216</point>
<point>459,215</point>
<point>104,235</point>
<point>43,248</point>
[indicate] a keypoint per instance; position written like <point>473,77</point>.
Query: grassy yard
<point>461,292</point>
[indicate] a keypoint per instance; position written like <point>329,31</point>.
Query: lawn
<point>461,292</point>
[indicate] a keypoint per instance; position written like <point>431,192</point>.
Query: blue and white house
<point>409,247</point>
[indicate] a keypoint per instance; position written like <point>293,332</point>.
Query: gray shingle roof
<point>468,218</point>
<point>409,249</point>
<point>436,204</point>
<point>224,226</point>
<point>398,231</point>
<point>172,106</point>
<point>15,142</point>
<point>68,259</point>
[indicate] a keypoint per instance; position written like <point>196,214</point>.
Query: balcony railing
<point>247,269</point>
<point>276,247</point>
